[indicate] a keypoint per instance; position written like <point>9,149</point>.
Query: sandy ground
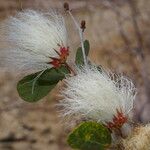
<point>26,126</point>
<point>37,126</point>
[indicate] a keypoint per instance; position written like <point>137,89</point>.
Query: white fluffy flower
<point>98,95</point>
<point>29,40</point>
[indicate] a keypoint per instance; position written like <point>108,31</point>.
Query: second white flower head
<point>98,95</point>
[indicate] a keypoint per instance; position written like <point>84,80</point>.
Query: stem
<point>81,37</point>
<point>70,69</point>
<point>119,133</point>
<point>83,49</point>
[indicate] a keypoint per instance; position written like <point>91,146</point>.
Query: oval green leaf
<point>36,86</point>
<point>90,136</point>
<point>79,55</point>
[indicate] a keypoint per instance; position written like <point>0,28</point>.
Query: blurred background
<point>119,34</point>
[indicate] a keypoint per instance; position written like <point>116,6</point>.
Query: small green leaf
<point>87,47</point>
<point>79,55</point>
<point>90,136</point>
<point>33,88</point>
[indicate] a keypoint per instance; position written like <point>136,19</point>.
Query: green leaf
<point>90,136</point>
<point>35,86</point>
<point>79,55</point>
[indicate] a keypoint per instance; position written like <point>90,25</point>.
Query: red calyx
<point>117,121</point>
<point>55,62</point>
<point>63,54</point>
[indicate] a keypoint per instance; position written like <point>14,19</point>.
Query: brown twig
<point>134,12</point>
<point>119,18</point>
<point>70,68</point>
